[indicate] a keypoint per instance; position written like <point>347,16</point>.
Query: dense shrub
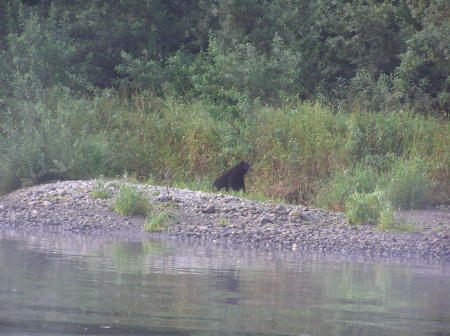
<point>294,147</point>
<point>131,202</point>
<point>409,185</point>
<point>365,55</point>
<point>50,138</point>
<point>344,183</point>
<point>368,208</point>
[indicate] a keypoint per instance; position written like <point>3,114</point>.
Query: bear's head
<point>244,166</point>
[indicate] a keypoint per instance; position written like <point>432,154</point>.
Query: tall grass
<point>302,152</point>
<point>368,208</point>
<point>131,202</point>
<point>343,183</point>
<point>409,184</point>
<point>294,147</point>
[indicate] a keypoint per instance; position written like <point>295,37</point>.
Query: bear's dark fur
<point>233,178</point>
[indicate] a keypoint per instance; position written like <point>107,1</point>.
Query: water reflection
<point>75,285</point>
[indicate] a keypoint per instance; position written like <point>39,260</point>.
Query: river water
<point>78,285</point>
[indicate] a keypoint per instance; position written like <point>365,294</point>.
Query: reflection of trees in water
<point>33,266</point>
<point>177,286</point>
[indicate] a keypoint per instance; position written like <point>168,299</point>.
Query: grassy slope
<point>302,152</point>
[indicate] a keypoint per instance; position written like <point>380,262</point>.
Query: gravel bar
<point>214,218</point>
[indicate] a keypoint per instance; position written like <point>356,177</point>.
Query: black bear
<point>233,178</point>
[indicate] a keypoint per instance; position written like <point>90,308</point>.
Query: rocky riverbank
<point>69,206</point>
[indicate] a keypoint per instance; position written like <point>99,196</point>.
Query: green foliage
<point>368,208</point>
<point>99,191</point>
<point>39,54</point>
<point>294,147</point>
<point>387,151</point>
<point>379,134</point>
<point>131,202</point>
<point>407,183</point>
<point>343,184</point>
<point>388,223</point>
<point>204,84</point>
<point>140,73</point>
<point>159,222</point>
<point>423,75</point>
<point>371,94</point>
<point>246,70</point>
<point>301,152</point>
<point>233,54</point>
<point>49,138</point>
<point>410,186</point>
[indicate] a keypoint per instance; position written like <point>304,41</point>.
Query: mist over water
<point>78,285</point>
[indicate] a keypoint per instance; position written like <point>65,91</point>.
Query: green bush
<point>294,147</point>
<point>301,152</point>
<point>422,76</point>
<point>379,134</point>
<point>100,193</point>
<point>343,184</point>
<point>131,202</point>
<point>375,209</point>
<point>368,208</point>
<point>50,138</point>
<point>370,94</point>
<point>140,73</point>
<point>410,186</point>
<point>360,55</point>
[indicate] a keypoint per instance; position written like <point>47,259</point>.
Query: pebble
<point>214,218</point>
<point>164,198</point>
<point>209,209</point>
<point>295,213</point>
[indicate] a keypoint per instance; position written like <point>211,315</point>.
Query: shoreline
<point>214,218</point>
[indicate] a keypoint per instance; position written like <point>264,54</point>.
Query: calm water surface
<point>74,285</point>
